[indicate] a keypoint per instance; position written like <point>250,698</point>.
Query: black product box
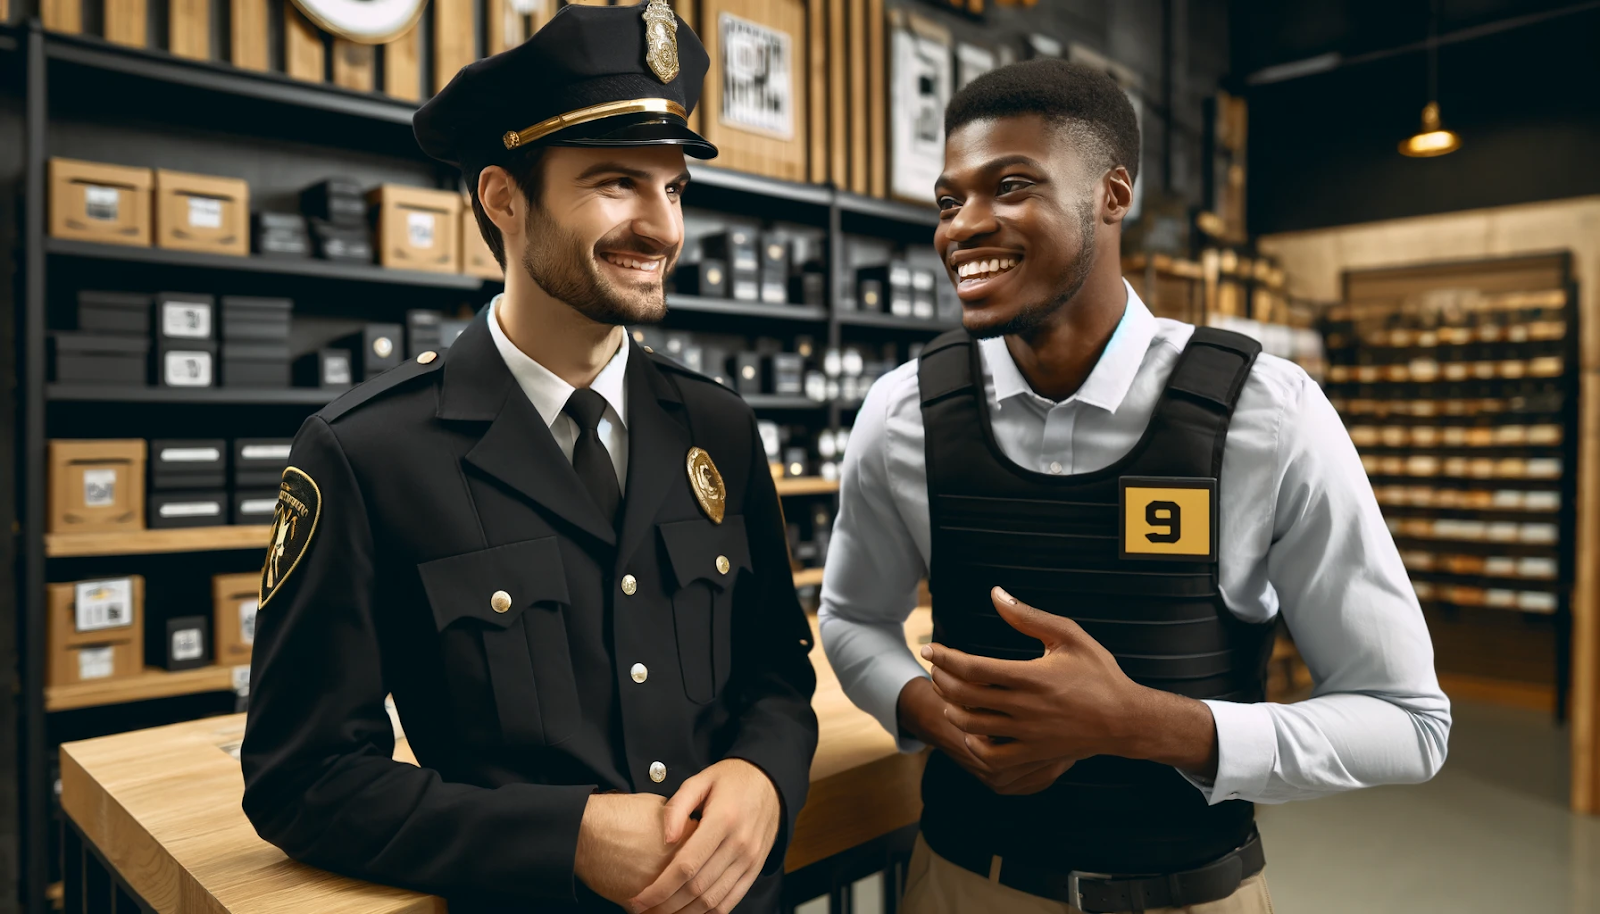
<point>340,201</point>
<point>374,350</point>
<point>714,365</point>
<point>774,288</point>
<point>922,301</point>
<point>694,358</point>
<point>99,358</point>
<point>186,509</point>
<point>735,247</point>
<point>254,364</point>
<point>745,287</point>
<point>891,282</point>
<point>188,464</point>
<point>785,374</point>
<point>185,316</point>
<point>747,373</point>
<point>795,461</point>
<point>280,235</point>
<point>342,243</point>
<point>673,344</point>
<point>185,644</point>
<point>258,462</point>
<point>185,363</point>
<point>808,289</point>
<point>774,254</point>
<point>708,278</point>
<point>254,506</point>
<point>422,331</point>
<point>449,330</point>
<point>869,293</point>
<point>114,312</point>
<point>256,319</point>
<point>651,338</point>
<point>329,369</point>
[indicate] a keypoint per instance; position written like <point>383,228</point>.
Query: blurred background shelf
<point>146,542</point>
<point>152,683</point>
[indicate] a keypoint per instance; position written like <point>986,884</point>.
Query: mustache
<point>630,243</point>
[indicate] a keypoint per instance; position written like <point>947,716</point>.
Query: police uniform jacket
<point>433,543</point>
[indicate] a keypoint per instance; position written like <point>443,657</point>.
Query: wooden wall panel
<point>62,15</point>
<point>747,149</point>
<point>838,96</point>
<point>126,22</point>
<point>877,101</point>
<point>508,27</point>
<point>189,28</point>
<point>857,81</point>
<point>402,66</point>
<point>303,56</point>
<point>689,12</point>
<point>455,39</point>
<point>354,65</point>
<point>817,90</point>
<point>247,25</point>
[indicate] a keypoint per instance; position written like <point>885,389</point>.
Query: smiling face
<point>607,229</point>
<point>1018,214</point>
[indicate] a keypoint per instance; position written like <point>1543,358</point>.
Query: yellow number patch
<point>1168,518</point>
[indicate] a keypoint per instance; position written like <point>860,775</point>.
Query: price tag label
<point>99,605</point>
<point>99,488</point>
<point>186,320</point>
<point>1169,518</point>
<point>247,622</point>
<point>95,663</point>
<point>187,369</point>
<point>419,229</point>
<point>187,645</point>
<point>205,213</point>
<point>102,204</point>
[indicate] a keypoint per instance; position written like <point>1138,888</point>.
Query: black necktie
<point>589,455</point>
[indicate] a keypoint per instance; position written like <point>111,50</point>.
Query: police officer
<point>1161,493</point>
<point>560,553</point>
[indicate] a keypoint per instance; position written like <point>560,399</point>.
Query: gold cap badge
<point>661,40</point>
<point>707,485</point>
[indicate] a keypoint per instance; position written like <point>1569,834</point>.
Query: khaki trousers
<point>934,885</point>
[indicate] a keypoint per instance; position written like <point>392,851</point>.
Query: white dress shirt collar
<point>548,392</point>
<point>1108,383</point>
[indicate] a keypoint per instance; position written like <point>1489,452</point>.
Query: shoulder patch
<point>367,391</point>
<point>294,523</point>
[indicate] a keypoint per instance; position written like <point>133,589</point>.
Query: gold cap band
<point>515,138</point>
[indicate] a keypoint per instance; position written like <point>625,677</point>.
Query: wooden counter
<point>162,806</point>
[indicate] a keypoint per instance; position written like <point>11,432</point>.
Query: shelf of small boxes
<point>1458,415</point>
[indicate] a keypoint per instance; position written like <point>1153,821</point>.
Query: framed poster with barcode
<point>757,78</point>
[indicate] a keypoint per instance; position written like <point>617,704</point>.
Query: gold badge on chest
<point>707,485</point>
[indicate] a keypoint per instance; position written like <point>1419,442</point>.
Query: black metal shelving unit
<point>83,75</point>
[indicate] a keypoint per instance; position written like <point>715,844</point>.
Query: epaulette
<point>367,391</point>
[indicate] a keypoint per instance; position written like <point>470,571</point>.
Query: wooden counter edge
<point>855,806</point>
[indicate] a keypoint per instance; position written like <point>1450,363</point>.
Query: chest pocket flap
<point>702,551</point>
<point>466,586</point>
<point>706,560</point>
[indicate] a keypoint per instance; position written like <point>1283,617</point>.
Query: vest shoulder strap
<point>1214,366</point>
<point>945,366</point>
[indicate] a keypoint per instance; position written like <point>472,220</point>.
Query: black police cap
<point>593,76</point>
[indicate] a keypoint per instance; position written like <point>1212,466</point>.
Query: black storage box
<point>785,374</point>
<point>169,510</point>
<point>341,243</point>
<point>254,506</point>
<point>256,319</point>
<point>869,292</point>
<point>795,461</point>
<point>808,288</point>
<point>747,373</point>
<point>258,463</point>
<point>279,235</point>
<point>188,464</point>
<point>185,644</point>
<point>185,363</point>
<point>374,350</point>
<point>449,330</point>
<point>774,269</point>
<point>185,316</point>
<point>422,331</point>
<point>922,303</point>
<point>714,365</point>
<point>99,358</point>
<point>114,312</point>
<point>329,369</point>
<point>708,278</point>
<point>340,201</point>
<point>735,247</point>
<point>254,364</point>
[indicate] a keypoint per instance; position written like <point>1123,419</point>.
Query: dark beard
<point>558,262</point>
<point>1027,321</point>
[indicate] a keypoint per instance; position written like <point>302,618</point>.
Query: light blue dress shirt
<point>1301,534</point>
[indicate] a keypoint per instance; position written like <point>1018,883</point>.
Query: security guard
<point>560,553</point>
<point>1161,493</point>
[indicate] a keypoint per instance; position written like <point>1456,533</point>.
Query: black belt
<point>1103,893</point>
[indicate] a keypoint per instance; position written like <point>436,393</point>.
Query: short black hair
<point>526,167</point>
<point>1077,96</point>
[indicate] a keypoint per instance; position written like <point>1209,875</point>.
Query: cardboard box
<point>96,630</point>
<point>109,204</point>
<point>233,604</point>
<point>96,486</point>
<point>202,213</point>
<point>476,258</point>
<point>418,229</point>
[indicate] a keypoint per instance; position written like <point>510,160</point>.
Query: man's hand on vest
<point>922,715</point>
<point>715,866</point>
<point>1070,704</point>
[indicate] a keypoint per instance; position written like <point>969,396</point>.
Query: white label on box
<point>189,455</point>
<point>336,371</point>
<point>265,452</point>
<point>241,680</point>
<point>258,506</point>
<point>247,622</point>
<point>205,212</point>
<point>419,229</point>
<point>757,78</point>
<point>922,310</point>
<point>101,203</point>
<point>99,488</point>
<point>186,645</point>
<point>190,509</point>
<point>100,605</point>
<point>186,320</point>
<point>95,663</point>
<point>187,369</point>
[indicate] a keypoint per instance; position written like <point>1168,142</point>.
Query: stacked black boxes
<point>922,295</point>
<point>280,235</point>
<point>337,210</point>
<point>255,341</point>
<point>774,269</point>
<point>736,248</point>
<point>422,331</point>
<point>185,340</point>
<point>188,482</point>
<point>111,344</point>
<point>376,348</point>
<point>258,465</point>
<point>708,278</point>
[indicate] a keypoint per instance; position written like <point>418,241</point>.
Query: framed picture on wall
<point>972,61</point>
<point>757,77</point>
<point>921,84</point>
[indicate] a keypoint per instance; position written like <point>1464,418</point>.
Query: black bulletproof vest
<point>1055,542</point>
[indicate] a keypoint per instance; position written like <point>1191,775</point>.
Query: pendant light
<point>1432,140</point>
